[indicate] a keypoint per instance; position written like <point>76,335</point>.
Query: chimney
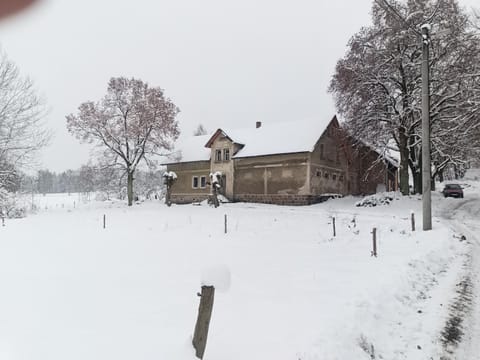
<point>258,124</point>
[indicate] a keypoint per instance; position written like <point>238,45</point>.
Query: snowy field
<point>71,289</point>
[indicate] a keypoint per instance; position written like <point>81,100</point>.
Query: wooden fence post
<point>225,223</point>
<point>203,320</point>
<point>104,220</point>
<point>413,221</point>
<point>3,221</point>
<point>334,231</point>
<point>374,239</point>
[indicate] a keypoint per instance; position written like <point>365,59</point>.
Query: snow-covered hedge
<point>377,199</point>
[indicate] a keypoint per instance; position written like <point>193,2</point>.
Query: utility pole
<point>426,167</point>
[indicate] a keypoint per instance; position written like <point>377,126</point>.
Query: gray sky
<point>224,63</point>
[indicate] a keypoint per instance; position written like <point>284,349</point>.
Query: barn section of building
<point>291,163</point>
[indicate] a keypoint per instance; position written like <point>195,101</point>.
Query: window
<point>226,154</point>
<point>326,175</point>
<point>203,182</point>
<point>334,177</point>
<point>218,155</point>
<point>340,178</point>
<point>195,182</point>
<point>318,173</point>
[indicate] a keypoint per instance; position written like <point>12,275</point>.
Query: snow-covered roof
<point>278,138</point>
<point>269,139</point>
<point>191,148</point>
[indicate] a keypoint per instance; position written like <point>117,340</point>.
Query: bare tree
<point>201,130</point>
<point>132,122</point>
<point>377,85</point>
<point>22,132</point>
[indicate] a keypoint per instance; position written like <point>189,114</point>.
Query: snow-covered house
<point>292,163</point>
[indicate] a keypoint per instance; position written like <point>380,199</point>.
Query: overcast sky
<point>224,63</point>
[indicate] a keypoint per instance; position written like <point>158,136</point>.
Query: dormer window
<point>226,154</point>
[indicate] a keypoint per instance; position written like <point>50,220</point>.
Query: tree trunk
<point>417,182</point>
<point>404,187</point>
<point>130,187</point>
<point>456,172</point>
<point>203,320</point>
<point>168,194</point>
<point>417,176</point>
<point>215,196</point>
<point>440,175</point>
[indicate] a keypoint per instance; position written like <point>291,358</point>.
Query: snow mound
<point>377,199</point>
<point>217,276</point>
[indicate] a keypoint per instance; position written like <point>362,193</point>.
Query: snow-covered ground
<point>70,289</point>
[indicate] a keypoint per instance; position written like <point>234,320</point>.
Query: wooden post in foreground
<point>334,231</point>
<point>413,221</point>
<point>104,220</point>
<point>203,320</point>
<point>374,239</point>
<point>3,221</point>
<point>225,223</point>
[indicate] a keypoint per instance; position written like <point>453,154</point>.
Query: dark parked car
<point>453,190</point>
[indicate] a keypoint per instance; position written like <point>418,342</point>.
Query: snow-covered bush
<point>216,179</point>
<point>377,199</point>
<point>10,207</point>
<point>169,179</point>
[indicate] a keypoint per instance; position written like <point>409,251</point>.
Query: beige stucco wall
<point>274,174</point>
<point>329,170</point>
<point>225,167</point>
<point>182,189</point>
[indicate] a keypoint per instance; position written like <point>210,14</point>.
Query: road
<point>461,335</point>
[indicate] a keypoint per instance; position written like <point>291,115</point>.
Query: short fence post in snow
<point>334,231</point>
<point>104,220</point>
<point>203,320</point>
<point>374,239</point>
<point>225,223</point>
<point>413,221</point>
<point>74,204</point>
<point>3,221</point>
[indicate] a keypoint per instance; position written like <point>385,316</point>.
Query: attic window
<point>218,155</point>
<point>318,173</point>
<point>226,154</point>
<point>326,175</point>
<point>334,177</point>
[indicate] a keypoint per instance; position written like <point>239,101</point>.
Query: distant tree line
<point>88,179</point>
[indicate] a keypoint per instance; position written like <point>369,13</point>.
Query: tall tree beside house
<point>377,84</point>
<point>133,122</point>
